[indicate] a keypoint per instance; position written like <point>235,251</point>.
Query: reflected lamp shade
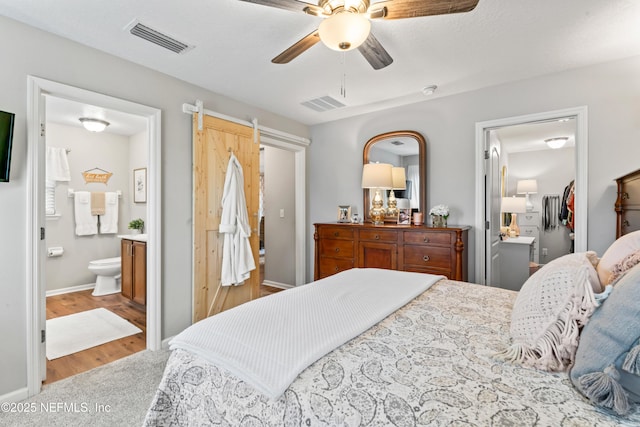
<point>377,175</point>
<point>399,178</point>
<point>527,186</point>
<point>344,31</point>
<point>514,205</point>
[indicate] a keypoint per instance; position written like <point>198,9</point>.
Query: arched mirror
<point>406,149</point>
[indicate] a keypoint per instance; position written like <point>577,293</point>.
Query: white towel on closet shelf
<point>86,224</point>
<point>57,165</point>
<point>109,221</point>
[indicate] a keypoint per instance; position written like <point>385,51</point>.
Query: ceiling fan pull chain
<point>343,82</point>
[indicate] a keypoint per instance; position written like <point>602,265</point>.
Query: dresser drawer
<point>329,266</point>
<point>337,248</point>
<point>529,231</point>
<point>335,233</point>
<point>379,235</point>
<point>428,238</point>
<point>528,218</point>
<point>631,193</point>
<point>427,257</point>
<point>630,221</point>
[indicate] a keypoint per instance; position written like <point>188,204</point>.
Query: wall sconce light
<point>527,186</point>
<point>514,205</point>
<point>93,125</point>
<point>377,176</point>
<point>399,179</point>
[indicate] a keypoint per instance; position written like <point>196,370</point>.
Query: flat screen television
<point>6,139</point>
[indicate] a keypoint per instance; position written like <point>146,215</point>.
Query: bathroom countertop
<point>138,237</point>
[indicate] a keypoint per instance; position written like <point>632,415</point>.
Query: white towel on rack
<point>86,224</point>
<point>109,221</point>
<point>57,165</point>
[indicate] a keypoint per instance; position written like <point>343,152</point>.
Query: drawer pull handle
<point>337,250</point>
<point>336,234</point>
<point>337,269</point>
<point>625,195</point>
<point>426,240</point>
<point>377,237</point>
<point>625,223</point>
<point>425,258</point>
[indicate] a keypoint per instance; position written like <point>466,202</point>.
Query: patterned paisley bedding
<point>427,364</point>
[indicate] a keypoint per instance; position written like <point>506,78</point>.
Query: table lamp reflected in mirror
<point>399,182</point>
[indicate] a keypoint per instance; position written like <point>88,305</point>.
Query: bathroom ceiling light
<point>556,142</point>
<point>93,125</point>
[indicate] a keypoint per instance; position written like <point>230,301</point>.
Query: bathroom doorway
<point>39,91</point>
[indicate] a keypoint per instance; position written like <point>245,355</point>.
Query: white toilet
<point>108,275</point>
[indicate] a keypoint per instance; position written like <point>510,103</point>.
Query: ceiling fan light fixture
<point>556,143</point>
<point>344,31</point>
<point>93,125</point>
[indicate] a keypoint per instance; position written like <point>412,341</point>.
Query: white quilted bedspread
<point>269,341</point>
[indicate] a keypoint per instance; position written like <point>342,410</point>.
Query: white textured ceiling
<point>499,41</point>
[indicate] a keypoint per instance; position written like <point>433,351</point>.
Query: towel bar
<point>71,192</point>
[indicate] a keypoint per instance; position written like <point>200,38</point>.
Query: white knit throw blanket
<point>269,341</point>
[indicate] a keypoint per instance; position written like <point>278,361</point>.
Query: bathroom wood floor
<point>75,302</point>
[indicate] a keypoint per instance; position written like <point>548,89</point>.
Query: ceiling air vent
<point>158,38</point>
<point>324,103</point>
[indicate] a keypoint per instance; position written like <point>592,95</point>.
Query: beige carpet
<point>114,395</point>
<point>80,331</point>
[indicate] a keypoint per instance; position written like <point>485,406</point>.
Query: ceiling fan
<point>347,25</point>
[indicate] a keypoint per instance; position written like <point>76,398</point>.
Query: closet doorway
<point>277,217</point>
<point>529,163</point>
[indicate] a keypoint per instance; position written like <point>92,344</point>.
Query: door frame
<point>36,251</point>
<point>581,181</point>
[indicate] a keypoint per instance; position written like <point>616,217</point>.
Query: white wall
<point>279,167</point>
<point>37,53</point>
<point>138,158</point>
<point>554,170</point>
<point>88,150</point>
<point>611,92</point>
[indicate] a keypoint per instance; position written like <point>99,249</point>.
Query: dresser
<point>529,223</point>
<point>420,249</point>
<point>627,204</point>
<point>515,255</point>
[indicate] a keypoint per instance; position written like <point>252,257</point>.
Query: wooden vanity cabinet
<point>627,204</point>
<point>395,247</point>
<point>134,270</point>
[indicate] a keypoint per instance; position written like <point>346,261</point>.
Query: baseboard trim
<point>277,284</point>
<point>70,289</point>
<point>164,344</point>
<point>15,396</point>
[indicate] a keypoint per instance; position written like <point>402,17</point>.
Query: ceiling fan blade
<point>400,9</point>
<point>374,53</point>
<point>297,48</point>
<point>293,5</point>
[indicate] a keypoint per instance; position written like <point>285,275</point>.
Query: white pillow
<point>621,248</point>
<point>549,311</point>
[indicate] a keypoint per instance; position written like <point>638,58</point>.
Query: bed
<point>430,362</point>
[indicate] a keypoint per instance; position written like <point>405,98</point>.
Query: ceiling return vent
<point>156,37</point>
<point>323,103</point>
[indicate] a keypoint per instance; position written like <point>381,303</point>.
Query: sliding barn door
<point>211,149</point>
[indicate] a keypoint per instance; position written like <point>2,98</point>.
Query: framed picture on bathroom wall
<point>140,185</point>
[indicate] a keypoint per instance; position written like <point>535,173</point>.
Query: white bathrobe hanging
<point>237,257</point>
